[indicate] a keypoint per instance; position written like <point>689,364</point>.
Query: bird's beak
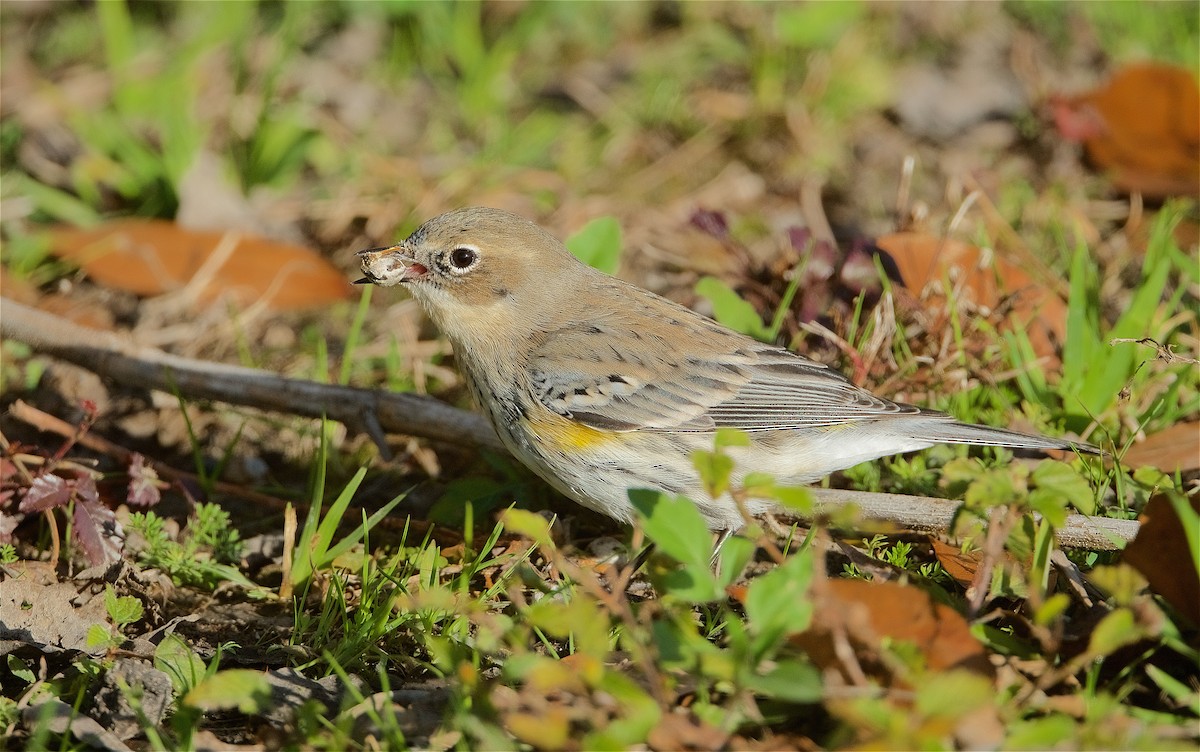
<point>389,266</point>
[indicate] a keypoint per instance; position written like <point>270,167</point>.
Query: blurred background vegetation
<point>781,166</point>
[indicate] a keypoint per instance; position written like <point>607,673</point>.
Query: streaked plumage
<point>600,386</point>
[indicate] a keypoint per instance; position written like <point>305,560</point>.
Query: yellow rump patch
<point>561,433</point>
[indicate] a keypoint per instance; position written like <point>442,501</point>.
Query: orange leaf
<point>153,257</point>
<point>1176,449</point>
<point>867,613</point>
<point>1162,554</point>
<point>987,280</point>
<point>1143,127</point>
<point>962,567</point>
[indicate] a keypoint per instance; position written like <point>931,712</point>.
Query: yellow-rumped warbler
<point>599,386</point>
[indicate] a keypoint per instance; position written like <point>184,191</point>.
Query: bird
<point>600,386</point>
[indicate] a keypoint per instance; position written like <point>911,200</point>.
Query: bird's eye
<point>463,258</point>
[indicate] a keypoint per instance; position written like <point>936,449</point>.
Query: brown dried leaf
<point>961,566</point>
<point>153,257</point>
<point>1176,449</point>
<point>683,731</point>
<point>1161,553</point>
<point>867,613</point>
<point>988,281</point>
<point>1143,127</point>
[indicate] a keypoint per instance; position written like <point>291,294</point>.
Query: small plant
<point>899,555</point>
<point>34,482</point>
<point>122,610</point>
<point>204,556</point>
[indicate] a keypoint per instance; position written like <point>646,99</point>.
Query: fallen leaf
<point>680,731</point>
<point>1143,127</point>
<point>989,281</point>
<point>960,566</point>
<point>18,288</point>
<point>153,257</point>
<point>1176,449</point>
<point>1162,555</point>
<point>867,613</point>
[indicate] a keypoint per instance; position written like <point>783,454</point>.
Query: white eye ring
<point>462,259</point>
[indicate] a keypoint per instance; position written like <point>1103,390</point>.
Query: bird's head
<point>476,270</point>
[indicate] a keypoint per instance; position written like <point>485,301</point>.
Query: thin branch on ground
<point>109,356</point>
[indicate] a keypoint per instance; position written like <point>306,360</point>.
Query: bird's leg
<point>638,561</point>
<point>722,536</point>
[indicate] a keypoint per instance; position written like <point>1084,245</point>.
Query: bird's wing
<point>694,376</point>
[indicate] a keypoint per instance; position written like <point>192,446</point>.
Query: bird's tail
<point>953,432</point>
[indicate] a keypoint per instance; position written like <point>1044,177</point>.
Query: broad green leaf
<point>953,694</point>
<point>1114,631</point>
<point>714,469</point>
<point>20,669</point>
<point>579,618</point>
<point>598,244</point>
<point>997,486</point>
<point>730,437</point>
<point>1054,607</point>
<point>175,658</point>
<point>778,604</point>
<point>730,309</point>
<point>122,610</point>
<point>735,554</point>
<point>675,526</point>
<point>240,689</point>
<point>99,636</point>
<point>527,524</point>
<point>639,714</point>
<point>795,498</point>
<point>816,25</point>
<point>1052,732</point>
<point>1062,481</point>
<point>678,530</point>
<point>790,681</point>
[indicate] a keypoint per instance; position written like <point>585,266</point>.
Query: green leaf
<point>730,310</point>
<point>730,437</point>
<point>579,618</point>
<point>1063,484</point>
<point>99,636</point>
<point>953,694</point>
<point>19,669</point>
<point>1004,643</point>
<point>735,554</point>
<point>1114,631</point>
<point>1054,607</point>
<point>639,714</point>
<point>997,486</point>
<point>1051,505</point>
<point>790,681</point>
<point>123,610</point>
<point>240,689</point>
<point>1052,732</point>
<point>777,603</point>
<point>175,658</point>
<point>816,25</point>
<point>526,524</point>
<point>675,526</point>
<point>714,469</point>
<point>795,498</point>
<point>678,530</point>
<point>598,244</point>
